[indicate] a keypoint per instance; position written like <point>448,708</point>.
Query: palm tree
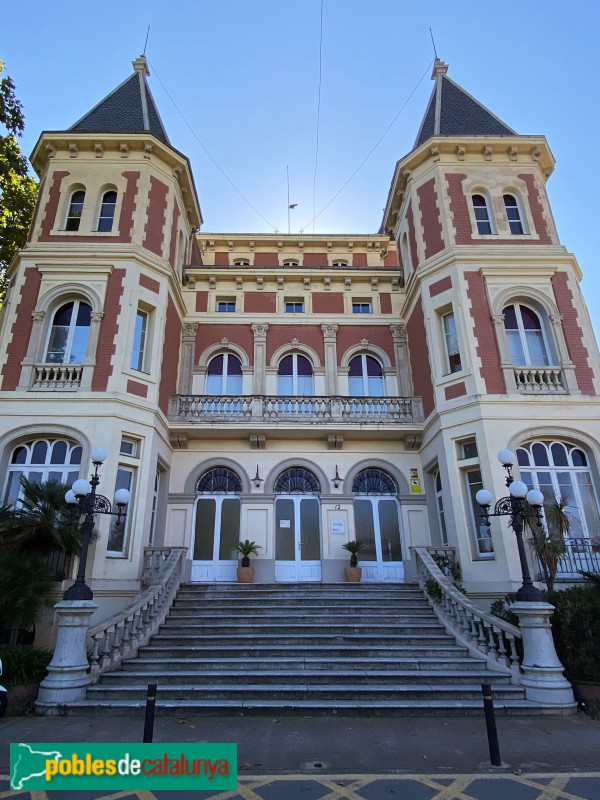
<point>353,548</point>
<point>247,549</point>
<point>549,543</point>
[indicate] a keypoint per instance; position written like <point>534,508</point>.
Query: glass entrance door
<point>297,539</point>
<point>378,528</point>
<point>217,531</point>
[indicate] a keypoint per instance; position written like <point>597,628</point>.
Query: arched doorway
<point>377,526</point>
<point>297,526</point>
<point>217,525</point>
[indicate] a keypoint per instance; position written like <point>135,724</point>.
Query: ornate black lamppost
<point>518,507</point>
<point>83,500</point>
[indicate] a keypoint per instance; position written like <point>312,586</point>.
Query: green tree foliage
<point>18,191</point>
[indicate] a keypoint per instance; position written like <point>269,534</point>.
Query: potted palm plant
<point>245,573</point>
<point>353,573</point>
<point>549,543</point>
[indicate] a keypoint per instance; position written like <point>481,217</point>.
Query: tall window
<point>439,506</point>
<point>482,214</point>
<point>561,470</point>
<point>138,352</point>
<point>42,460</point>
<point>107,211</point>
<point>513,213</point>
<point>452,353</point>
<point>119,534</point>
<point>365,377</point>
<point>224,375</point>
<point>75,210</point>
<point>482,535</point>
<point>526,337</point>
<point>295,376</point>
<point>69,334</point>
<point>155,495</point>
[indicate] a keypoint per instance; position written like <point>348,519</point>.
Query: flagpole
<point>288,190</point>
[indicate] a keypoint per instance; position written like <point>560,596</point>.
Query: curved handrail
<point>484,635</point>
<point>122,635</point>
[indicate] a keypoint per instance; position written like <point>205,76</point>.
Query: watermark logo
<point>120,766</point>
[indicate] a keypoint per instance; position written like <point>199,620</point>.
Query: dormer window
<point>75,210</point>
<point>513,213</point>
<point>482,214</point>
<point>107,211</point>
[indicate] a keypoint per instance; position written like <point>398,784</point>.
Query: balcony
<point>535,380</point>
<point>57,377</point>
<point>263,409</point>
<point>581,555</point>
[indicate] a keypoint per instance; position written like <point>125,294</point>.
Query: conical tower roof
<point>454,112</point>
<point>130,108</point>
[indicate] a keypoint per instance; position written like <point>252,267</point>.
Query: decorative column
<point>33,354</point>
<point>331,372</point>
<point>403,376</point>
<point>563,354</point>
<point>67,677</point>
<point>260,357</point>
<point>505,360</point>
<point>188,349</point>
<point>543,678</point>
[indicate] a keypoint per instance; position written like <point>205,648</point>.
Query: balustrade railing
<point>309,409</point>
<point>122,635</point>
<point>485,636</point>
<point>581,555</point>
<point>540,379</point>
<point>57,376</point>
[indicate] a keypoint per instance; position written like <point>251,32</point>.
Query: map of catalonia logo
<point>120,766</point>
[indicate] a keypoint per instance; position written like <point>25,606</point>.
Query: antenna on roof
<point>432,41</point>
<point>148,34</point>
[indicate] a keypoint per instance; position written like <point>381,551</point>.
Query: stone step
<point>313,611</point>
<point>151,663</point>
<point>333,652</point>
<point>306,640</point>
<point>267,628</point>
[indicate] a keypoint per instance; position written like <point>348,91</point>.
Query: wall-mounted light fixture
<point>336,480</point>
<point>257,480</point>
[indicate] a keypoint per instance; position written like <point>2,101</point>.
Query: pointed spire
<point>129,108</point>
<point>452,111</point>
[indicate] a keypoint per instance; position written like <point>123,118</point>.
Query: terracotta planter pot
<point>245,574</point>
<point>353,574</point>
<point>588,690</point>
<point>23,694</point>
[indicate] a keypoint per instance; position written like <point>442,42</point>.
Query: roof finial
<point>141,65</point>
<point>439,68</point>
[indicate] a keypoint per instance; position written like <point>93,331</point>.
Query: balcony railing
<point>540,379</point>
<point>57,377</point>
<point>263,408</point>
<point>582,555</point>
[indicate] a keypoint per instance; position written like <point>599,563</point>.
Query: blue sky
<point>244,73</point>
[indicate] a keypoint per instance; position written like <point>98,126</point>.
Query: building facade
<point>300,391</point>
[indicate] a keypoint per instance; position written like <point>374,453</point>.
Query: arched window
<point>41,460</point>
<point>295,376</point>
<point>513,213</point>
<point>374,481</point>
<point>224,375</point>
<point>483,217</point>
<point>290,262</point>
<point>75,210</point>
<point>107,211</point>
<point>296,480</point>
<point>377,524</point>
<point>365,377</point>
<point>69,334</point>
<point>562,470</point>
<point>527,342</point>
<point>219,480</point>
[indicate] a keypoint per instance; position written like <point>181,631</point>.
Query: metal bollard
<point>149,718</point>
<point>490,723</point>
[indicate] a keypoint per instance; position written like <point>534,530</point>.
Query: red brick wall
<point>266,259</point>
<point>36,210</point>
<point>241,335</point>
<point>454,391</point>
<point>541,226</point>
<point>315,259</point>
<point>196,257</point>
<point>385,301</point>
<point>378,335</point>
<point>108,331</point>
<point>359,259</point>
<point>487,345</point>
<point>170,361</point>
<point>173,245</point>
<point>221,259</point>
<point>412,240</point>
<point>260,302</point>
<point>157,216</point>
<point>310,335</point>
<point>21,329</point>
<point>149,283</point>
<point>440,286</point>
<point>128,207</point>
<point>419,358</point>
<point>458,208</point>
<point>430,218</point>
<point>573,333</point>
<point>327,303</point>
<point>201,301</point>
<point>137,388</point>
<point>52,204</point>
<point>392,258</point>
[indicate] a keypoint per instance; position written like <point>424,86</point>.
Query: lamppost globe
<point>81,487</point>
<point>518,489</point>
<point>535,498</point>
<point>506,457</point>
<point>483,497</point>
<point>98,455</point>
<point>122,497</point>
<point>70,497</point>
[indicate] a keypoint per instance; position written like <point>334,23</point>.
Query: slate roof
<point>122,111</point>
<point>460,115</point>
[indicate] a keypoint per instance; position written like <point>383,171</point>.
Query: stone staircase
<point>307,648</point>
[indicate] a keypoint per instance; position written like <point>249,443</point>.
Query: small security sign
<point>415,482</point>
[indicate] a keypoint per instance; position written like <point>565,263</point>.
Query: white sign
<point>337,526</point>
<point>284,523</point>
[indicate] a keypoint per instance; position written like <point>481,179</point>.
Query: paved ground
<point>325,758</point>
